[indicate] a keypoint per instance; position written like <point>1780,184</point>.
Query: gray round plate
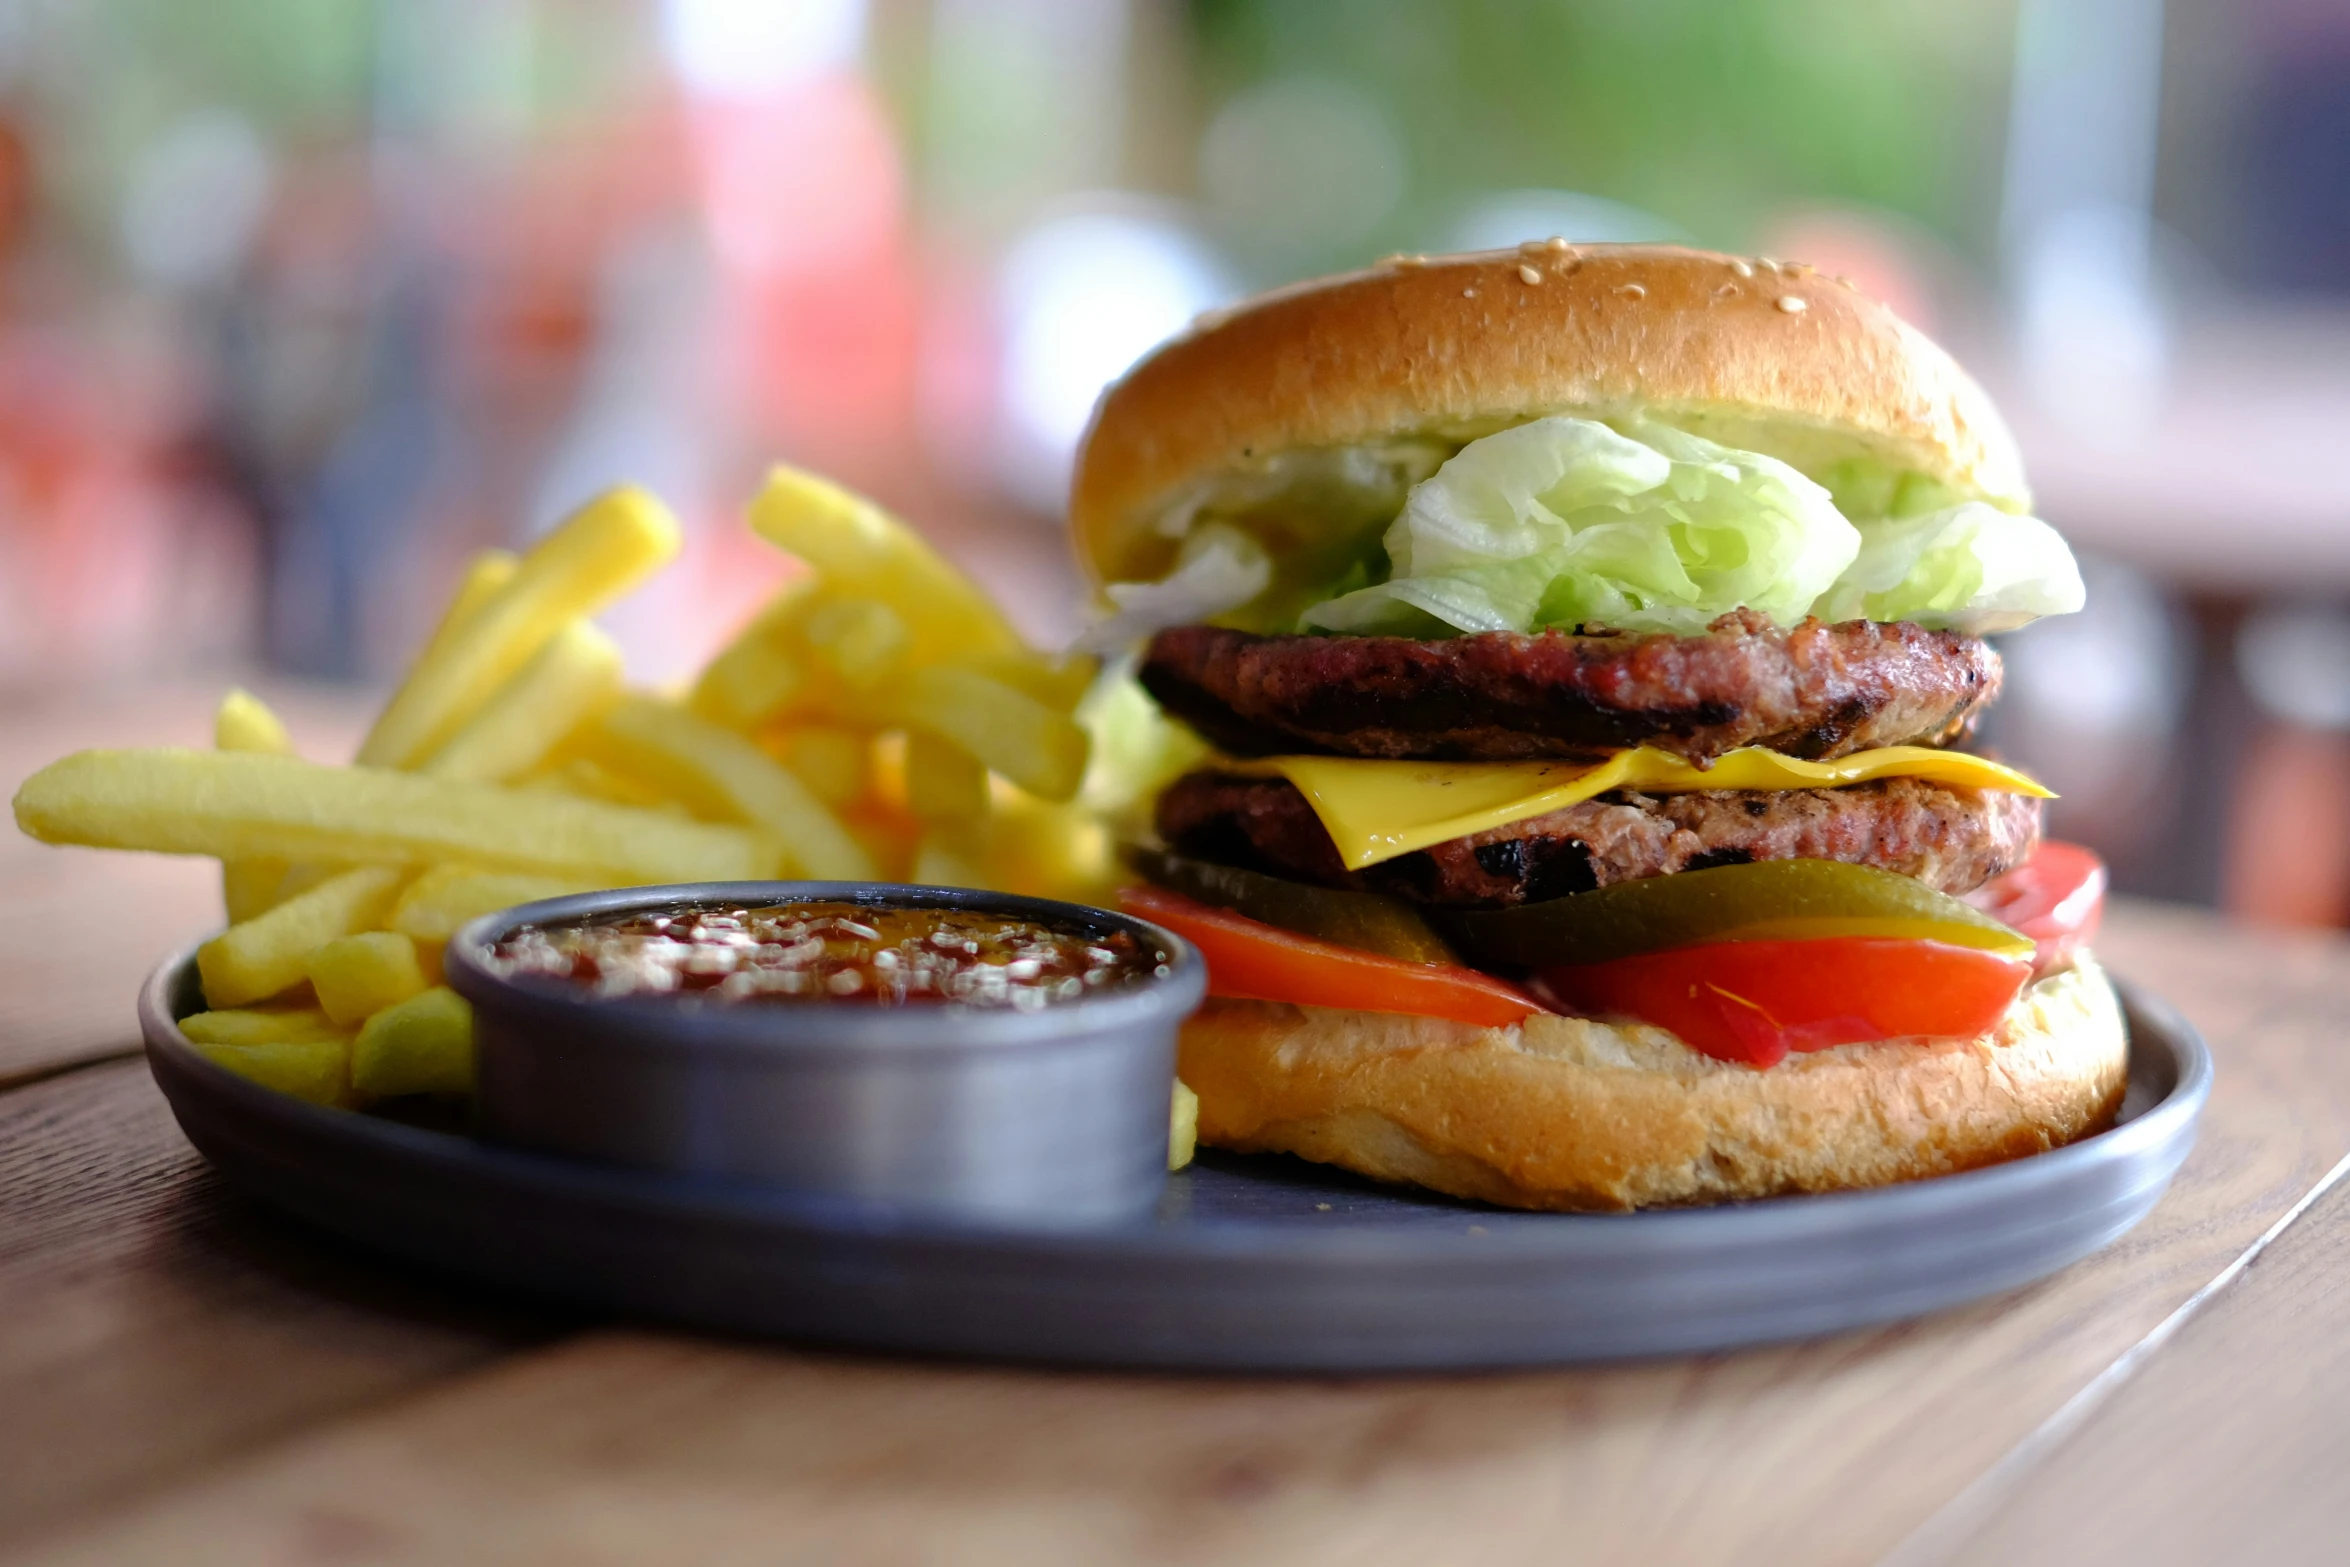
<point>1256,1263</point>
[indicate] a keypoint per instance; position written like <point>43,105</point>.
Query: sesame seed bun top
<point>1770,356</point>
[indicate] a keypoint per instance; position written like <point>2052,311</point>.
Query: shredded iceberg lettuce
<point>1971,568</point>
<point>1219,569</point>
<point>1565,522</point>
<point>1137,749</point>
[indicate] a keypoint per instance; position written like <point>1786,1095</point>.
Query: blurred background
<point>303,300</point>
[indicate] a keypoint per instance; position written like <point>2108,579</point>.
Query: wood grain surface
<point>2232,1445</point>
<point>184,1378</point>
<point>154,1322</point>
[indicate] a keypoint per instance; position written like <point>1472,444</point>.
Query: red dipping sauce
<point>833,951</point>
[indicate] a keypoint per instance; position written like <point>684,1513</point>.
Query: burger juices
<point>1585,637</point>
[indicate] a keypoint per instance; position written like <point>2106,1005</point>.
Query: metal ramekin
<point>1052,1116</point>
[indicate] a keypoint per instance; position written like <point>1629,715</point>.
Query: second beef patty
<point>1952,839</point>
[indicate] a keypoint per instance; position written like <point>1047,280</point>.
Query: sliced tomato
<point>1754,1001</point>
<point>1252,961</point>
<point>2056,897</point>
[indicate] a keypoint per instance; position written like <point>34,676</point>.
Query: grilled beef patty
<point>1950,838</point>
<point>1815,691</point>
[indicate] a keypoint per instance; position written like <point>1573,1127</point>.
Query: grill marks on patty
<point>1816,691</point>
<point>1950,838</point>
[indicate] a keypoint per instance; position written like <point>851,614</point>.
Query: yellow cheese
<point>1376,810</point>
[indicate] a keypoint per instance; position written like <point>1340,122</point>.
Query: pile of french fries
<point>880,719</point>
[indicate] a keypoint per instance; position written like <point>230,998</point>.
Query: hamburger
<point>1581,643</point>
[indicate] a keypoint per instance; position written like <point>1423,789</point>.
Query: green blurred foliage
<point>1713,114</point>
<point>287,63</point>
<point>101,80</point>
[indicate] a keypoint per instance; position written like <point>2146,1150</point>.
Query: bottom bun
<point>1563,1112</point>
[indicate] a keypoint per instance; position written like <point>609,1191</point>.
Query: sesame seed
<point>1404,260</point>
<point>1468,293</point>
<point>1725,291</point>
<point>1766,263</point>
<point>1560,243</point>
<point>1790,304</point>
<point>1742,268</point>
<point>1796,268</point>
<point>1529,274</point>
<point>1632,290</point>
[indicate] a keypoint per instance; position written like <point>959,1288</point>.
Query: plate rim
<point>1784,1219</point>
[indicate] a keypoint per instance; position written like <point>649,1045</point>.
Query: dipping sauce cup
<point>1012,1067</point>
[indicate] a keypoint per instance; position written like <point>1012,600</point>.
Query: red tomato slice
<point>2056,897</point>
<point>1253,961</point>
<point>1754,1001</point>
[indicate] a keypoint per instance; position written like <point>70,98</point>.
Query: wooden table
<point>185,1378</point>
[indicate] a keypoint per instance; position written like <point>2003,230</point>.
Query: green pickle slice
<point>1368,921</point>
<point>1769,900</point>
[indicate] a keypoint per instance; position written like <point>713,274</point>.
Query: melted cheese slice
<point>1376,810</point>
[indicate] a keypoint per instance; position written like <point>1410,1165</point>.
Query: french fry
<point>566,683</point>
<point>301,878</point>
<point>243,722</point>
<point>1060,683</point>
<point>269,954</point>
<point>1051,851</point>
<point>424,1045</point>
<point>888,839</point>
<point>860,641</point>
<point>729,775</point>
<point>358,976</point>
<point>749,684</point>
<point>1182,1126</point>
<point>1136,750</point>
<point>226,804</point>
<point>879,713</point>
<point>835,764</point>
<point>485,574</point>
<point>949,857</point>
<point>258,1026</point>
<point>294,1050</point>
<point>600,551</point>
<point>756,677</point>
<point>857,548</point>
<point>317,1069</point>
<point>1011,732</point>
<point>590,779</point>
<point>889,771</point>
<point>447,898</point>
<point>944,782</point>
